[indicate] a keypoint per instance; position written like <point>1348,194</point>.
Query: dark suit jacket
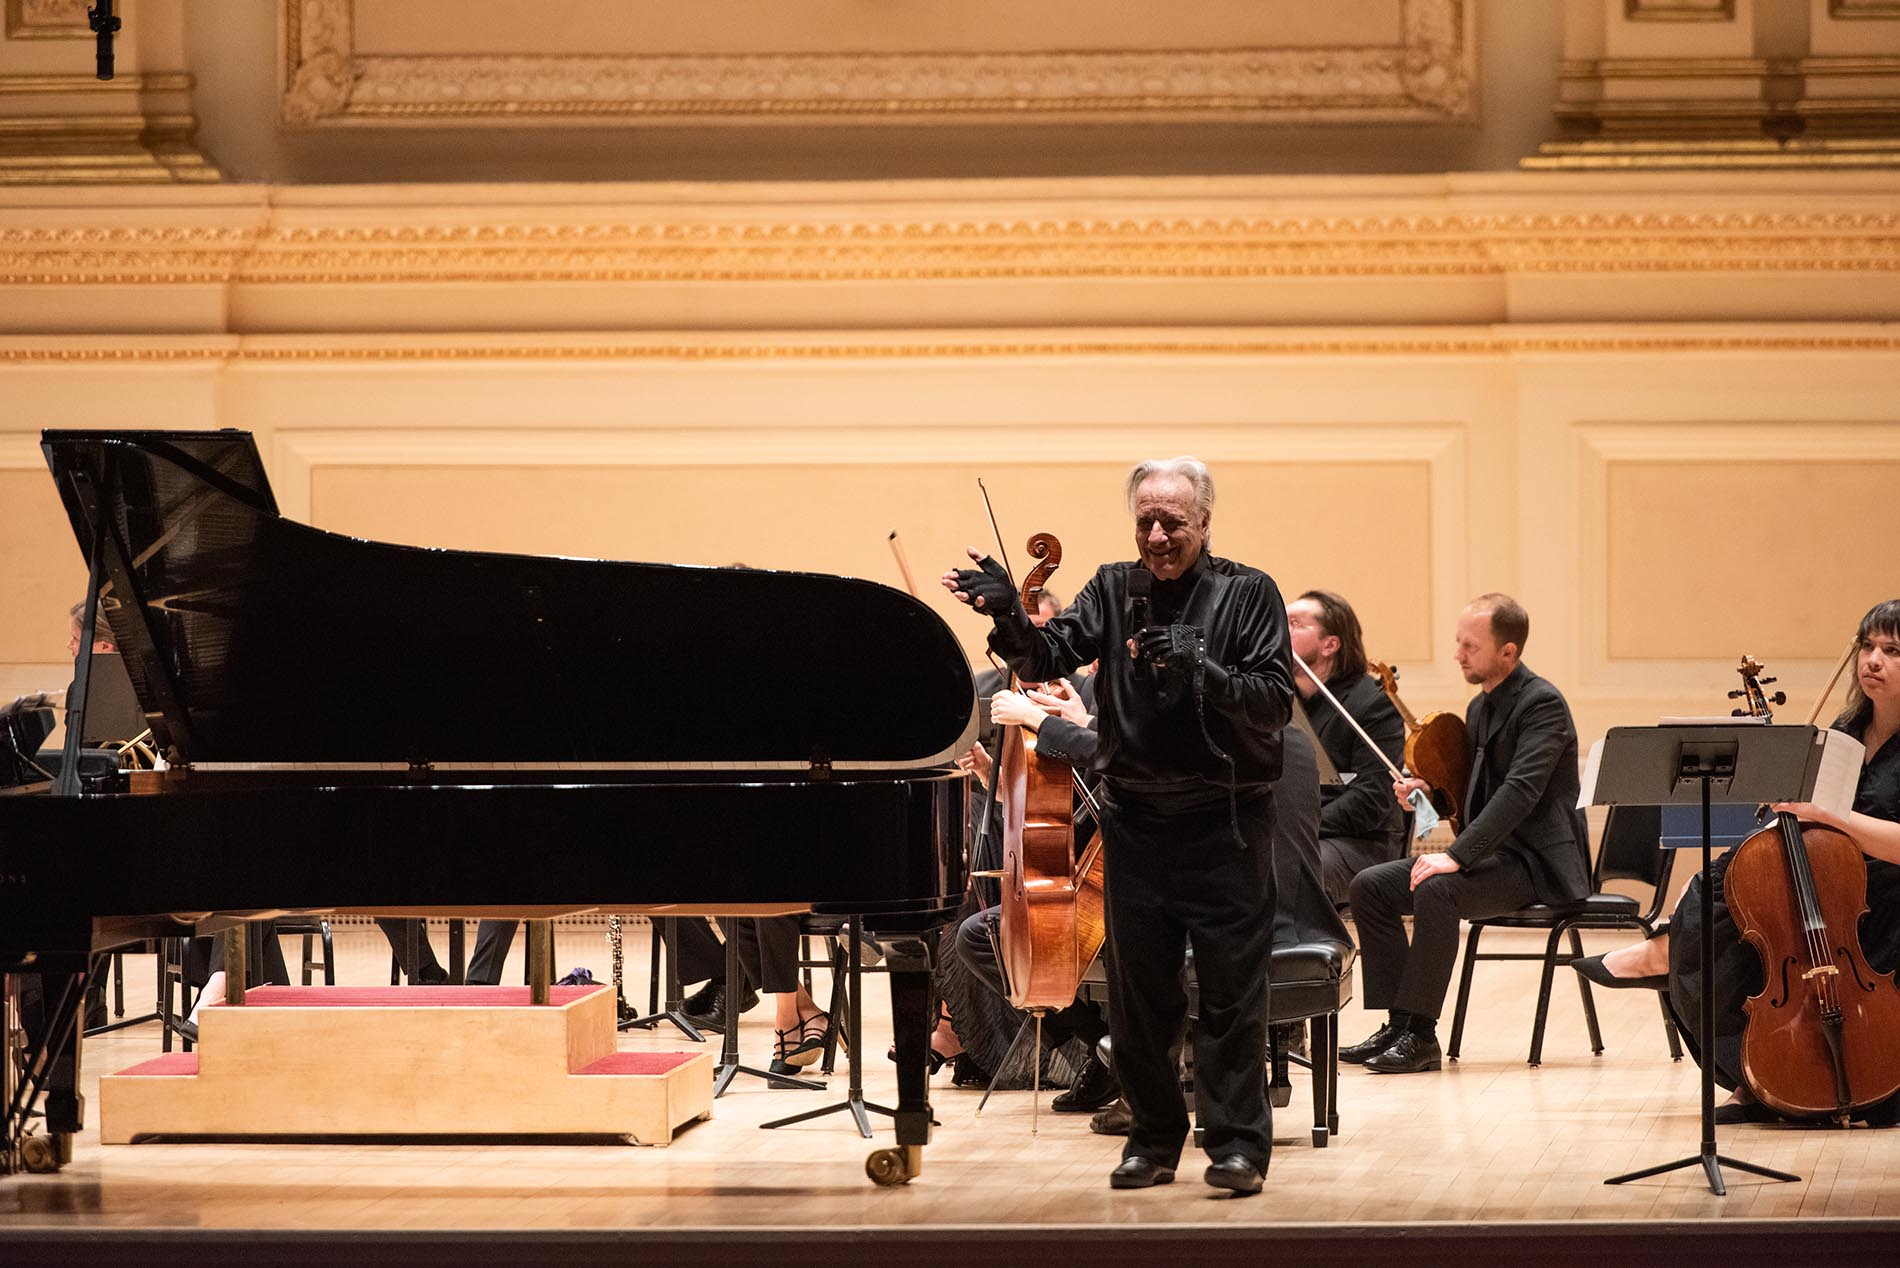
<point>1365,807</point>
<point>1524,786</point>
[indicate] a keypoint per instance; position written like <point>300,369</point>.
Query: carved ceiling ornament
<point>1429,76</point>
<point>926,248</point>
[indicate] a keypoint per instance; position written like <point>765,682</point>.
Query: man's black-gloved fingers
<point>989,587</point>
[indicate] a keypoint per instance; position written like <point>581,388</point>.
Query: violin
<point>1435,748</point>
<point>1823,1037</point>
<point>1052,922</point>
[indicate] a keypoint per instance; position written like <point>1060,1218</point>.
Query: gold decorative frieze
<point>775,347</point>
<point>47,20</point>
<point>1427,71</point>
<point>933,248</point>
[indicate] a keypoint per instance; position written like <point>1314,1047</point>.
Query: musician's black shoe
<point>1095,1086</point>
<point>706,1008</point>
<point>1371,1046</point>
<point>1236,1172</point>
<point>1137,1172</point>
<point>1409,1054</point>
<point>1734,1113</point>
<point>185,1029</point>
<point>967,1071</point>
<point>1592,967</point>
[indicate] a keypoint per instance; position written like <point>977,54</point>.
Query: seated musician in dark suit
<point>1672,960</point>
<point>1522,842</point>
<point>1359,823</point>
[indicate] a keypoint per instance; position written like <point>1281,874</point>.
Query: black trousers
<point>492,940</point>
<point>1082,1019</point>
<point>264,957</point>
<point>1342,858</point>
<point>1176,877</point>
<point>768,950</point>
<point>1414,978</point>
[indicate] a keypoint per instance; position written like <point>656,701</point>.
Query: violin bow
<point>1351,721</point>
<point>1838,671</point>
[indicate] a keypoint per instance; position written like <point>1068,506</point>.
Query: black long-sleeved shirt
<point>1150,724</point>
<point>1364,806</point>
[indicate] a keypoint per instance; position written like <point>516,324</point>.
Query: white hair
<point>1189,468</point>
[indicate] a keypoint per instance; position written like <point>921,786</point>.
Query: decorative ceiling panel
<point>423,63</point>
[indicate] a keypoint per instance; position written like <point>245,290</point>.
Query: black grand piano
<point>352,726</point>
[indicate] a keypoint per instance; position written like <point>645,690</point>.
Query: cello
<point>1822,1039</point>
<point>1052,922</point>
<point>1435,748</point>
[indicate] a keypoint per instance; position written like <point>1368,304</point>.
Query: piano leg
<point>912,1019</point>
<point>50,1016</point>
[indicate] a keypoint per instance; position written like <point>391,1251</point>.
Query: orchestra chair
<point>310,928</point>
<point>112,964</point>
<point>1631,851</point>
<point>1312,982</point>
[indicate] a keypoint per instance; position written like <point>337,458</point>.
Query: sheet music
<point>1838,777</point>
<point>1591,764</point>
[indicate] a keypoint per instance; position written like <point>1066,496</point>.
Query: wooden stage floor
<point>1489,1153</point>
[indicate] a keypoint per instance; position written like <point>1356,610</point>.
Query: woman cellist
<point>1671,960</point>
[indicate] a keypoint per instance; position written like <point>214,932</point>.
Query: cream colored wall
<point>1660,410</point>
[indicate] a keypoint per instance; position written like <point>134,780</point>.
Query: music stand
<point>1726,763</point>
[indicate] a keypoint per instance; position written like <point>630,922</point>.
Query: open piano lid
<point>253,638</point>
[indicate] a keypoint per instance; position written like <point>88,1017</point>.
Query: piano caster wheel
<point>889,1168</point>
<point>43,1155</point>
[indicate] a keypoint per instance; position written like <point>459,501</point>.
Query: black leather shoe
<point>706,1008</point>
<point>1095,1086</point>
<point>1137,1172</point>
<point>1409,1054</point>
<point>1371,1046</point>
<point>1735,1113</point>
<point>1592,967</point>
<point>1236,1172</point>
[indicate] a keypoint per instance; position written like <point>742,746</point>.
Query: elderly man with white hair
<point>1195,685</point>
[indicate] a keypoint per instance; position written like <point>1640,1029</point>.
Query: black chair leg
<point>1316,1045</point>
<point>1589,1001</point>
<point>1669,1027</point>
<point>840,1008</point>
<point>329,956</point>
<point>1464,992</point>
<point>1543,995</point>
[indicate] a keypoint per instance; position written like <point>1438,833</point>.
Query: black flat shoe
<point>1137,1172</point>
<point>1095,1086</point>
<point>1736,1113</point>
<point>1236,1172</point>
<point>1371,1046</point>
<point>1409,1054</point>
<point>1592,968</point>
<point>707,1009</point>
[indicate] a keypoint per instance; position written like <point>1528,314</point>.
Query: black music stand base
<point>1710,1161</point>
<point>674,1009</point>
<point>854,1102</point>
<point>729,1068</point>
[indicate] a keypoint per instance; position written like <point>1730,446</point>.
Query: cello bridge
<point>1821,970</point>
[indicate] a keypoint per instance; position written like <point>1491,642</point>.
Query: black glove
<point>990,589</point>
<point>1179,651</point>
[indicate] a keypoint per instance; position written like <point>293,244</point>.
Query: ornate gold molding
<point>952,248</point>
<point>1429,75</point>
<point>47,20</point>
<point>285,350</point>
